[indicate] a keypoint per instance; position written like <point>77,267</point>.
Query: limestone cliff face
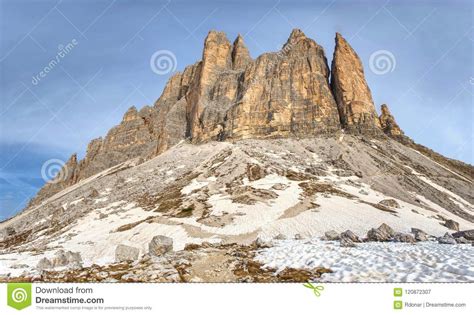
<point>388,123</point>
<point>227,95</point>
<point>285,93</point>
<point>352,94</point>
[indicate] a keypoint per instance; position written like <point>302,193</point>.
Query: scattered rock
<point>280,237</point>
<point>392,203</point>
<point>103,215</point>
<point>298,237</point>
<point>332,235</point>
<point>462,240</point>
<point>44,264</point>
<point>420,235</point>
<point>404,238</point>
<point>363,192</point>
<point>447,239</point>
<point>126,253</point>
<point>452,225</point>
<point>381,234</point>
<point>350,235</point>
<point>346,242</point>
<point>59,259</point>
<point>259,242</point>
<point>160,245</point>
<point>255,172</point>
<point>467,234</point>
<point>279,186</point>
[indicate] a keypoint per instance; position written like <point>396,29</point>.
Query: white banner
<point>219,299</point>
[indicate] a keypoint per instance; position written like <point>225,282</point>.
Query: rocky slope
<point>236,153</point>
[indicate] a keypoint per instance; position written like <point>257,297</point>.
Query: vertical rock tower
<point>352,94</point>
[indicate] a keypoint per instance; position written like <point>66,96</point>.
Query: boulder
<point>349,235</point>
<point>126,253</point>
<point>347,242</point>
<point>60,259</point>
<point>160,245</point>
<point>404,238</point>
<point>392,203</point>
<point>452,225</point>
<point>447,239</point>
<point>376,235</point>
<point>260,242</point>
<point>332,235</point>
<point>381,234</point>
<point>44,264</point>
<point>462,240</point>
<point>467,234</point>
<point>280,237</point>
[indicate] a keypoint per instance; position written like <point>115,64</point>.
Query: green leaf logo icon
<point>19,295</point>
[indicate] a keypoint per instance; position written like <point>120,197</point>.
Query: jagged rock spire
<point>388,123</point>
<point>240,54</point>
<point>350,89</point>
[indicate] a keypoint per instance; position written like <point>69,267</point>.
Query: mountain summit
<point>240,154</point>
<point>229,96</point>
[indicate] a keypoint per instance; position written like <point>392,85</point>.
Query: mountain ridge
<point>228,96</point>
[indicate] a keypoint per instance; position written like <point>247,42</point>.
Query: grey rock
<point>44,264</point>
<point>381,234</point>
<point>126,253</point>
<point>346,242</point>
<point>392,203</point>
<point>462,240</point>
<point>375,235</point>
<point>60,259</point>
<point>467,234</point>
<point>452,225</point>
<point>447,239</point>
<point>404,238</point>
<point>160,245</point>
<point>298,237</point>
<point>260,242</point>
<point>350,236</point>
<point>332,235</point>
<point>280,237</point>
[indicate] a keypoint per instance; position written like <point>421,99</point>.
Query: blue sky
<point>429,86</point>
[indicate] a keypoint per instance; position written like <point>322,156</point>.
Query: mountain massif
<point>235,153</point>
<point>229,96</point>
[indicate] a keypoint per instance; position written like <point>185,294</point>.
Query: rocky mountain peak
<point>240,54</point>
<point>130,114</point>
<point>229,96</point>
<point>217,50</point>
<point>352,94</point>
<point>388,123</point>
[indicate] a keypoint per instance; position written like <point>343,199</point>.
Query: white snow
<point>251,217</point>
<point>374,262</point>
<point>96,240</point>
<point>197,184</point>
